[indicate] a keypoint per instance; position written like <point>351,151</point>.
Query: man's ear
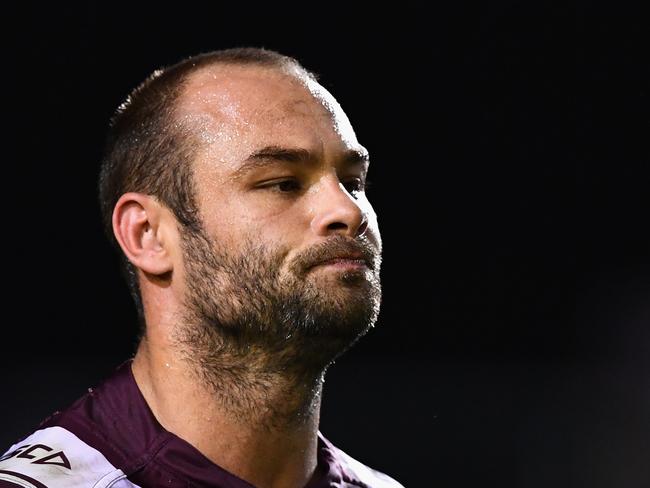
<point>140,229</point>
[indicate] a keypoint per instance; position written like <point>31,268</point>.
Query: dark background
<point>509,148</point>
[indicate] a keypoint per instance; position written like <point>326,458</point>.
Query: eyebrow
<point>270,155</point>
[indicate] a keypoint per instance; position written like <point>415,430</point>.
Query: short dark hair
<point>146,151</point>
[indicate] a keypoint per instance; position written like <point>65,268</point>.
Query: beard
<point>246,320</point>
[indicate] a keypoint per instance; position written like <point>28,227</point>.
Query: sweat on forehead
<point>236,95</point>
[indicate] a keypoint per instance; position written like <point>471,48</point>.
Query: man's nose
<point>336,211</point>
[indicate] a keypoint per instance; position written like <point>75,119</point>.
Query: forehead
<point>234,109</point>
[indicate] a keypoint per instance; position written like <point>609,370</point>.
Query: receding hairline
<point>187,108</point>
<point>220,69</point>
<point>288,67</point>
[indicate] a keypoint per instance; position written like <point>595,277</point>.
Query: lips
<point>349,257</point>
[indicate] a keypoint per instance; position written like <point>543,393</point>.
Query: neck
<point>252,418</point>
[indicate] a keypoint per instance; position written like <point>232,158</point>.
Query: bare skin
<point>235,111</point>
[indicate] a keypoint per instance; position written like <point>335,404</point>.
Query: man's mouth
<point>344,263</point>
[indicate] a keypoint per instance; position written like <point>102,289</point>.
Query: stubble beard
<point>252,331</point>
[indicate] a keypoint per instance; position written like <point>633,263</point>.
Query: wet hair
<point>148,151</point>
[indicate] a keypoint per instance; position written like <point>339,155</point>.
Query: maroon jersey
<point>109,438</point>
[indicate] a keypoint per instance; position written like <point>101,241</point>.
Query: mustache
<point>336,247</point>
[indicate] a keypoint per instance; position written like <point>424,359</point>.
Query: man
<point>233,184</point>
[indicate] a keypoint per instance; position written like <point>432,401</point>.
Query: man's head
<point>228,178</point>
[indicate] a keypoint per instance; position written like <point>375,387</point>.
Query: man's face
<point>279,181</point>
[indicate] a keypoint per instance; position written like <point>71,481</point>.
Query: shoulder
<point>54,457</point>
<point>367,475</point>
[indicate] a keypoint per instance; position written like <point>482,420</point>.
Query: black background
<point>509,149</point>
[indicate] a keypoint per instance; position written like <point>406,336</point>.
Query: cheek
<point>252,226</point>
<point>271,215</point>
<point>229,214</point>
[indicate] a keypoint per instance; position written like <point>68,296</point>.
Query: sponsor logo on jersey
<point>39,454</point>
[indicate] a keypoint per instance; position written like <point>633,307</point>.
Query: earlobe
<point>136,225</point>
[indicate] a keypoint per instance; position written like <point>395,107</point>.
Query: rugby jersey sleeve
<point>55,458</point>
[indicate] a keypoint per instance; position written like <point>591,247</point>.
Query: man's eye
<point>294,186</point>
<point>284,186</point>
<point>355,186</point>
